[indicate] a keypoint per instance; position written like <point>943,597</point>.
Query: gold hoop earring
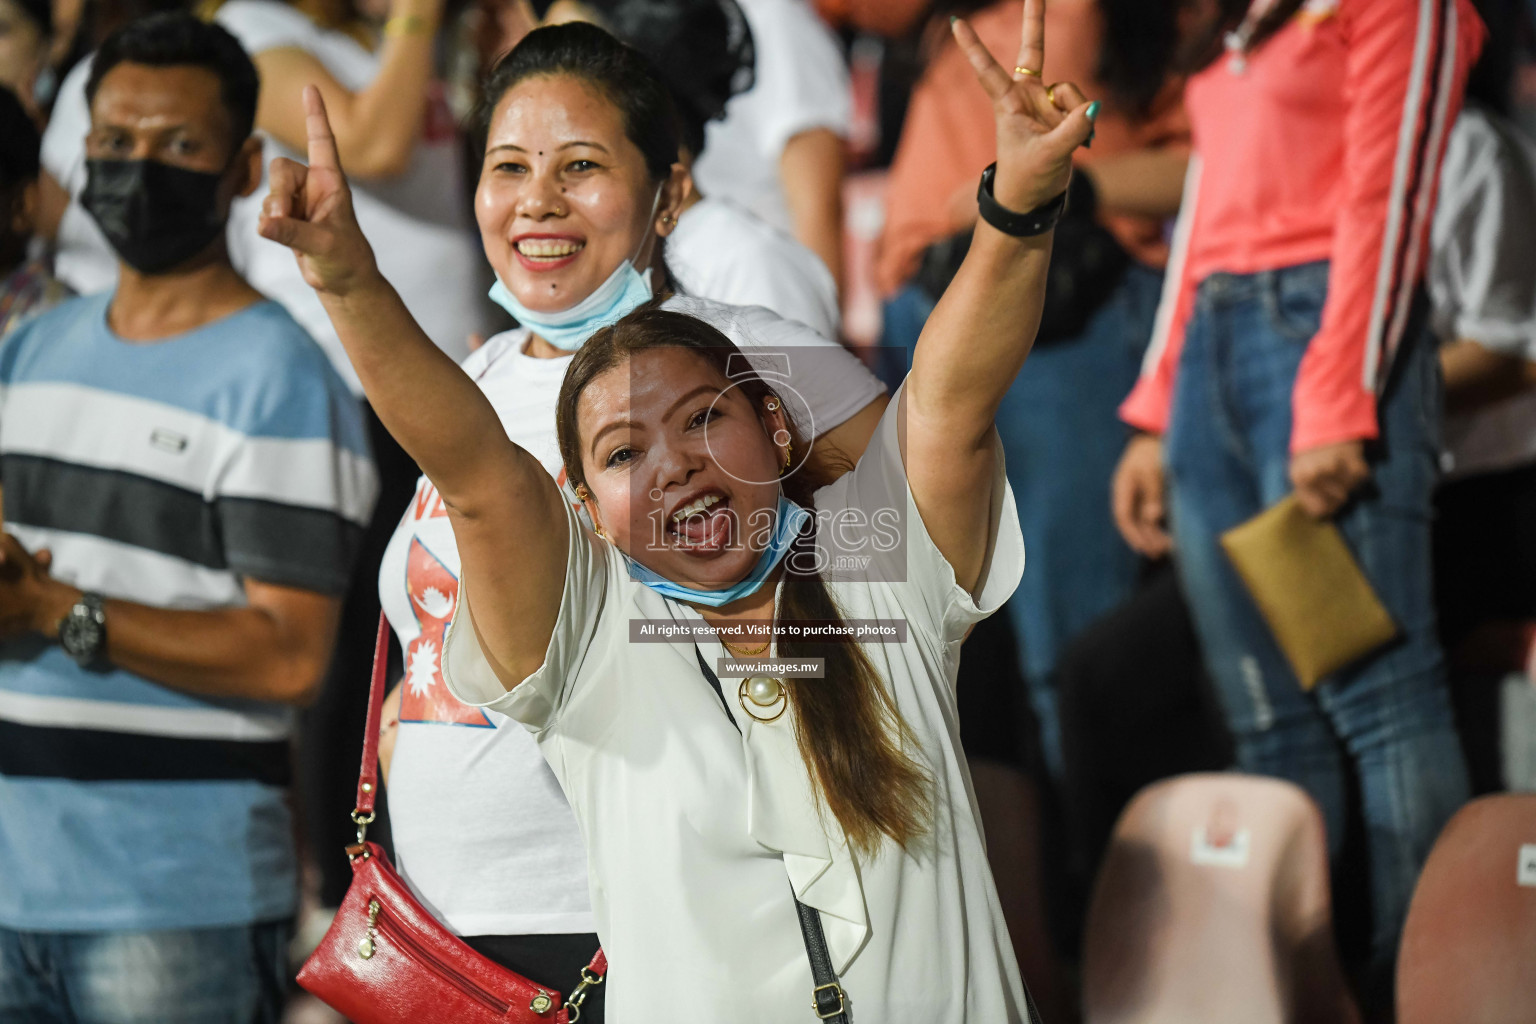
<point>772,405</point>
<point>585,496</point>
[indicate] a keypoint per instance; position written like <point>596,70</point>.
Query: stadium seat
<point>1213,907</point>
<point>1469,947</point>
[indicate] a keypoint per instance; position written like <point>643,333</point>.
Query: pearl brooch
<point>763,698</point>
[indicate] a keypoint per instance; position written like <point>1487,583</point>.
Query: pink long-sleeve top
<point>1323,144</point>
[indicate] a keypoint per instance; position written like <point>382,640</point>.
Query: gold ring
<point>1025,71</point>
<point>1050,95</point>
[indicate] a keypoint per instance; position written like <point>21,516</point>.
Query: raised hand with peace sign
<point>1038,128</point>
<point>975,341</point>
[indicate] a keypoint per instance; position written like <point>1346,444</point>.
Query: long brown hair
<point>847,726</point>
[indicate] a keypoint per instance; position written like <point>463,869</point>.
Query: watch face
<point>81,635</point>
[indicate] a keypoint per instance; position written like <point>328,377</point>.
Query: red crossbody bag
<point>387,960</point>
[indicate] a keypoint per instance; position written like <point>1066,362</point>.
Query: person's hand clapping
<point>309,209</point>
<point>1038,128</point>
<point>31,601</point>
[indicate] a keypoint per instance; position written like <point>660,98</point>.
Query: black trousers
<point>552,960</point>
<point>1136,707</point>
<point>1485,572</point>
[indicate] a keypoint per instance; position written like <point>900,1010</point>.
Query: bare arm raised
<point>508,517</point>
<point>979,334</point>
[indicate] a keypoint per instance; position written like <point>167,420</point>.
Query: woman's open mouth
<point>704,525</point>
<point>547,252</point>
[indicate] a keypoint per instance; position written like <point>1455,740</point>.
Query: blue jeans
<point>233,975</point>
<point>1227,452</point>
<point>1062,439</point>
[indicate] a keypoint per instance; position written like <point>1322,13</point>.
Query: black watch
<point>1020,225</point>
<point>83,632</point>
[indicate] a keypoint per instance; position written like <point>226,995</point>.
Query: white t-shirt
<point>417,222</point>
<point>481,829</point>
<point>723,252</point>
<point>83,258</point>
<point>693,829</point>
<point>1482,278</point>
<point>801,84</point>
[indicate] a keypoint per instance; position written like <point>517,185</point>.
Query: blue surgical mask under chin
<point>786,528</point>
<point>625,291</point>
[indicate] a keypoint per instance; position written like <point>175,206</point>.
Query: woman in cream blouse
<point>707,807</point>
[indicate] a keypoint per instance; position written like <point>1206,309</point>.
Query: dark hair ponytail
<point>701,49</point>
<point>590,55</point>
<point>848,728</point>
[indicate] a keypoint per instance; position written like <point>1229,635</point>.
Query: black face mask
<point>155,215</point>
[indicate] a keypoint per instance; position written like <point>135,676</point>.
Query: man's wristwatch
<point>83,632</point>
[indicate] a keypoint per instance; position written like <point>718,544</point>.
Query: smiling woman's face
<point>680,465</point>
<point>564,195</point>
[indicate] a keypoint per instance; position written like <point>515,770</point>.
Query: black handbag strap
<point>827,998</point>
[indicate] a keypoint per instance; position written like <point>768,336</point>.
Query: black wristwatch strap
<point>1020,225</point>
<point>827,997</point>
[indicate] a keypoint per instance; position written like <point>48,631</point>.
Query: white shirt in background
<point>418,222</point>
<point>1482,279</point>
<point>801,83</point>
<point>697,833</point>
<point>481,828</point>
<point>83,258</point>
<point>721,251</point>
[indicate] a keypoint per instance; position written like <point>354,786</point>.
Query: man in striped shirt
<point>184,482</point>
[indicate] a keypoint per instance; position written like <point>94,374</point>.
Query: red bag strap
<point>368,789</point>
<point>368,775</point>
<point>592,975</point>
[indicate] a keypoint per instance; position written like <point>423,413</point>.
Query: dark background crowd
<point>853,131</point>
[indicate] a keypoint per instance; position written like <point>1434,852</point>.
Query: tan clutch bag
<point>1308,587</point>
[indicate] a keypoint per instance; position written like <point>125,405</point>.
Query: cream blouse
<point>696,832</point>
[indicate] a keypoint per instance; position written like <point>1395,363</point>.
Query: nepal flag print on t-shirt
<point>433,590</point>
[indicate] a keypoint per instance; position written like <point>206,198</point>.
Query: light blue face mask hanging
<point>786,528</point>
<point>625,291</point>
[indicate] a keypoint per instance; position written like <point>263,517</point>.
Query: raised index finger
<point>317,128</point>
<point>1032,44</point>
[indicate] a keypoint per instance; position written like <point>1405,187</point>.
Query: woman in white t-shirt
<point>578,188</point>
<point>703,51</point>
<point>700,809</point>
<point>399,142</point>
<point>779,150</point>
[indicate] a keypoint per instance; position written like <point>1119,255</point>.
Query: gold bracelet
<point>407,25</point>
